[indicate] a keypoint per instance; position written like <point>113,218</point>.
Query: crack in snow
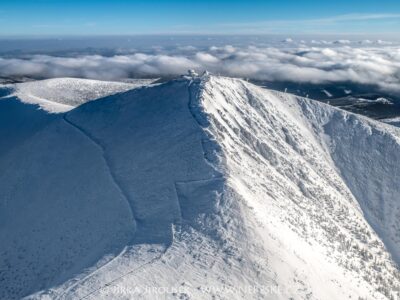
<point>107,163</point>
<point>119,188</point>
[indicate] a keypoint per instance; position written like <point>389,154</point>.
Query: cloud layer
<point>316,62</point>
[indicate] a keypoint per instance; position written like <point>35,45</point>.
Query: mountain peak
<point>212,180</point>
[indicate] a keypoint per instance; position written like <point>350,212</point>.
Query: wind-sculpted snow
<point>367,157</point>
<point>280,164</point>
<point>202,187</point>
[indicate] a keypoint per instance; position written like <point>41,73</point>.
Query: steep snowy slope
<point>367,158</point>
<point>19,121</point>
<point>200,188</point>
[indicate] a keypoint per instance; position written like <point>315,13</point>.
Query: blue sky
<point>45,17</point>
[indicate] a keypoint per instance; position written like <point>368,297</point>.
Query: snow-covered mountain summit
<point>201,187</point>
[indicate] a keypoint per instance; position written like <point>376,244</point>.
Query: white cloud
<point>206,58</point>
<point>328,63</point>
<point>288,40</point>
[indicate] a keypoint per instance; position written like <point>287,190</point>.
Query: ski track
<point>80,281</point>
<point>112,282</point>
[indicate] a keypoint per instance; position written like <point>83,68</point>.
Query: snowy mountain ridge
<point>209,186</point>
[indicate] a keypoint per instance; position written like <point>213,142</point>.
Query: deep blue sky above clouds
<point>89,17</point>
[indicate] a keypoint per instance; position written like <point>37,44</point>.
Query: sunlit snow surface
<point>203,187</point>
<point>63,94</point>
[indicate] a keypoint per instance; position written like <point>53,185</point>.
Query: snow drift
<point>203,187</point>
